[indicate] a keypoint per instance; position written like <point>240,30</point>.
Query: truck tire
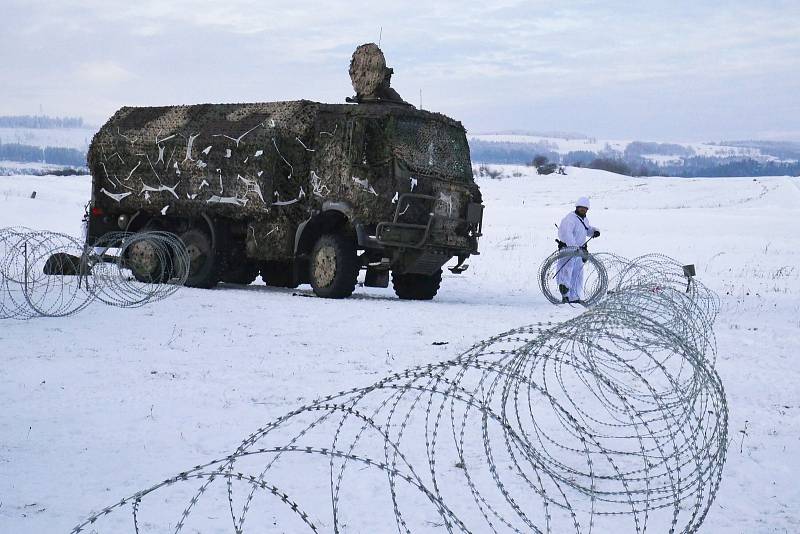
<point>416,286</point>
<point>204,263</point>
<point>148,261</point>
<point>245,272</point>
<point>278,274</point>
<point>334,266</point>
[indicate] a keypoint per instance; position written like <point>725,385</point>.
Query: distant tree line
<point>611,165</point>
<point>63,171</point>
<point>632,163</point>
<point>40,121</point>
<point>509,153</point>
<point>695,167</point>
<point>779,149</point>
<point>33,154</point>
<point>638,149</point>
<point>579,158</point>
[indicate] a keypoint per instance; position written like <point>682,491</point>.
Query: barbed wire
<point>613,421</point>
<point>604,272</point>
<point>563,260</point>
<point>49,274</point>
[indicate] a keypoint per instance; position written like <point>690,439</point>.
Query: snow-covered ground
<point>107,402</point>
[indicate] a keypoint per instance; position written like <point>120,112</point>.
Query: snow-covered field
<point>110,401</point>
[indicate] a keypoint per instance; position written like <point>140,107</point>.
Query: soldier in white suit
<point>573,232</point>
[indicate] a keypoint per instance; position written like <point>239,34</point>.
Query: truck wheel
<point>334,266</point>
<point>278,274</point>
<point>204,264</point>
<point>416,286</point>
<point>148,261</point>
<point>244,273</point>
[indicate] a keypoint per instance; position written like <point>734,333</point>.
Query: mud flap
<point>376,278</point>
<point>460,266</point>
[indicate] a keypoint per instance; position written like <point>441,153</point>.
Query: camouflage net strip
<point>613,421</point>
<point>47,274</point>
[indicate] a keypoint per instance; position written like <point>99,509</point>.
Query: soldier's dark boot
<point>563,290</point>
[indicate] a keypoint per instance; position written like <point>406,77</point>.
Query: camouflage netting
<point>262,169</point>
<point>243,159</point>
<point>432,147</point>
<point>367,69</point>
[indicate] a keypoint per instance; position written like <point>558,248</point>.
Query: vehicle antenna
<point>380,36</point>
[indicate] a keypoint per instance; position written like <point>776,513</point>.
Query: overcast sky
<point>673,70</point>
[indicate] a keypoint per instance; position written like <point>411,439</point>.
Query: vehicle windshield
<point>432,147</point>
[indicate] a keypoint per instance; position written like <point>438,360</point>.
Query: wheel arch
<point>212,229</point>
<point>333,220</point>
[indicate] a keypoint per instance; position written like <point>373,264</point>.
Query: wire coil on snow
<point>613,421</point>
<point>595,277</point>
<point>26,289</point>
<point>118,284</point>
<point>48,274</point>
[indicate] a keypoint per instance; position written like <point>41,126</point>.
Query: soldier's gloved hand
<point>596,233</point>
<point>584,252</point>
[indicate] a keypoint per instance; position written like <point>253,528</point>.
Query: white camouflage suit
<point>573,231</point>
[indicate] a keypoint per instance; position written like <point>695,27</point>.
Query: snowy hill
<point>674,158</point>
<point>573,144</point>
<point>42,150</point>
<point>107,402</point>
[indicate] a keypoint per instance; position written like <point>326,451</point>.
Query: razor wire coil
<point>613,421</point>
<point>595,278</point>
<point>49,274</point>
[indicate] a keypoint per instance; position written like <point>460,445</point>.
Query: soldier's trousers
<point>570,273</point>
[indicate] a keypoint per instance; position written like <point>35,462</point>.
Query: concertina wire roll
<point>49,274</point>
<point>612,421</point>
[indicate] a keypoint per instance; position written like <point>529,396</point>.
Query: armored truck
<point>298,192</point>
